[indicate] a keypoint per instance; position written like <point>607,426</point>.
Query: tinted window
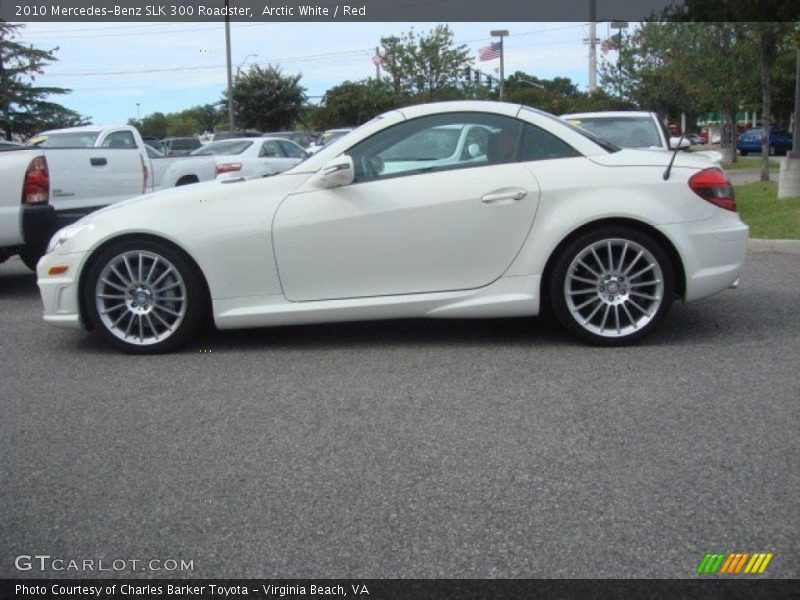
<point>538,144</point>
<point>119,139</point>
<point>292,150</point>
<point>270,149</point>
<point>436,143</point>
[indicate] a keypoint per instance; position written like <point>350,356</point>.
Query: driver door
<point>425,214</point>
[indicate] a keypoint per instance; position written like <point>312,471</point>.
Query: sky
<point>117,69</point>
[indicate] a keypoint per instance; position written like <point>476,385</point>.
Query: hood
<point>186,196</point>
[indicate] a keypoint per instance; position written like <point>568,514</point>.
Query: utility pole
<point>231,125</point>
<point>501,33</point>
<point>592,46</point>
<point>377,60</point>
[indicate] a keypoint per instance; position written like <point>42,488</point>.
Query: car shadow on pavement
<point>17,284</point>
<point>389,333</point>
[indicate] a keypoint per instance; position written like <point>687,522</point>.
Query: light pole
<point>138,117</point>
<point>231,125</point>
<point>241,64</point>
<point>501,33</point>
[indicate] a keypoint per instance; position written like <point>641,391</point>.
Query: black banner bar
<point>391,589</point>
<point>395,10</point>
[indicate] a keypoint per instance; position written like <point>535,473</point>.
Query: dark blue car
<point>750,141</point>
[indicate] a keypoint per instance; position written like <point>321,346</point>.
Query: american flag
<point>490,52</point>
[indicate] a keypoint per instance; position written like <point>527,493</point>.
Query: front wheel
<point>144,296</point>
<point>612,286</point>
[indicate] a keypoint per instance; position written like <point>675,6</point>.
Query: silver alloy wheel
<point>140,297</point>
<point>614,287</point>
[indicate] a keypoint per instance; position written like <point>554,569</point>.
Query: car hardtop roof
<point>607,114</point>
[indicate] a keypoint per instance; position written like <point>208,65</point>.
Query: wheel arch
<point>186,180</point>
<point>665,243</point>
<point>125,238</point>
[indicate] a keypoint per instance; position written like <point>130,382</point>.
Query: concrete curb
<point>779,246</point>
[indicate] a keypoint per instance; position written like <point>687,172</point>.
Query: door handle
<point>98,162</point>
<point>506,196</point>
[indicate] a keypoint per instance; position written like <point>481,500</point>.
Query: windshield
<point>72,139</point>
<point>226,148</point>
<point>628,132</point>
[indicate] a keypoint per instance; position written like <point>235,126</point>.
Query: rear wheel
<point>612,286</point>
<point>144,296</point>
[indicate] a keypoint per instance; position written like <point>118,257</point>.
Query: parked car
<point>181,146</point>
<point>329,136</point>
<point>81,170</point>
<point>780,141</point>
<point>231,135</point>
<point>696,139</point>
<point>546,213</point>
<point>6,145</point>
<point>636,129</point>
<point>627,129</point>
<point>302,138</point>
<point>252,157</point>
<point>154,142</point>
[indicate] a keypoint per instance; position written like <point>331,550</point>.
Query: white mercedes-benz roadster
<point>460,209</point>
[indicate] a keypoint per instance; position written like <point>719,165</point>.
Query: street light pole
<point>592,46</point>
<point>231,125</point>
<point>138,116</point>
<point>501,33</point>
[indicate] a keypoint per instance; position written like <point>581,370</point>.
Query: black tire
<point>30,257</point>
<point>193,308</point>
<point>638,322</point>
<point>743,152</point>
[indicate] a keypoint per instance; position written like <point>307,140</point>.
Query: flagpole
<point>501,33</point>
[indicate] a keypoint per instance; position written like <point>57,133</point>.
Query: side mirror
<point>336,173</point>
<point>673,143</point>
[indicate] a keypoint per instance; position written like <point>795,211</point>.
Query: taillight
<point>36,185</point>
<point>228,168</point>
<point>144,175</point>
<point>712,186</point>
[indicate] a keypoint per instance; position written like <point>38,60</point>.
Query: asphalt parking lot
<point>409,449</point>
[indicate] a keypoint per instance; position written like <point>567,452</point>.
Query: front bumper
<point>60,292</point>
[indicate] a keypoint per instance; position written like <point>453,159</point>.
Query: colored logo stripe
<point>734,562</point>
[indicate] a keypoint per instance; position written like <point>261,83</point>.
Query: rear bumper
<point>713,252</point>
<point>39,223</point>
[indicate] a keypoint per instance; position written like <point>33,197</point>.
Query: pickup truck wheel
<point>30,257</point>
<point>612,286</point>
<point>144,296</point>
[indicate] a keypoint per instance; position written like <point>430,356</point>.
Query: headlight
<point>62,235</point>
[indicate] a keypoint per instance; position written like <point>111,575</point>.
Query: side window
<point>119,139</point>
<point>538,144</point>
<point>437,143</point>
<point>270,149</point>
<point>291,150</point>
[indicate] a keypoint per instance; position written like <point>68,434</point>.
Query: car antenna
<point>674,154</point>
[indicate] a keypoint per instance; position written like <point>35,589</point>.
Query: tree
<point>355,102</point>
<point>267,100</point>
<point>426,64</point>
<point>24,108</point>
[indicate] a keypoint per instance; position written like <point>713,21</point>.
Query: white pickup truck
<point>73,172</point>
